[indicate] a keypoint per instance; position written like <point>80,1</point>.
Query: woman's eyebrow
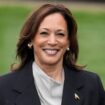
<point>45,29</point>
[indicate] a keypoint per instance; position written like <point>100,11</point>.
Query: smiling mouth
<point>51,51</point>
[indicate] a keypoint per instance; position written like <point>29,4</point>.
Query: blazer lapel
<point>24,88</point>
<point>72,87</point>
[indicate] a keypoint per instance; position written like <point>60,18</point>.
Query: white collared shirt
<point>49,90</point>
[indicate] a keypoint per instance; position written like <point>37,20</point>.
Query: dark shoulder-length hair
<point>31,26</point>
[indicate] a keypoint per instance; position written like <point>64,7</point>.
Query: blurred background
<point>90,17</point>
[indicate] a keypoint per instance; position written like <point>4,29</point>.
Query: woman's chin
<point>51,62</point>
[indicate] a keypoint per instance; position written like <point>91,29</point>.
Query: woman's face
<point>51,40</point>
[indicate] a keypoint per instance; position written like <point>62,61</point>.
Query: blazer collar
<point>72,87</point>
<point>24,87</point>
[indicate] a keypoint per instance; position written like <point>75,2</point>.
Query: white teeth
<point>51,52</point>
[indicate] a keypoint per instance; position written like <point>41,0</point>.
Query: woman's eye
<point>61,34</point>
<point>44,33</point>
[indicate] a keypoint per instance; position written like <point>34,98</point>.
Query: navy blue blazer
<point>80,88</point>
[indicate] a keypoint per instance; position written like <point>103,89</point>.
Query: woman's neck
<point>54,71</point>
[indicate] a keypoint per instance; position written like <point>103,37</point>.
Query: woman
<point>48,73</point>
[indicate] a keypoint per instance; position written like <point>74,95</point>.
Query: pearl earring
<point>29,45</point>
<point>68,49</point>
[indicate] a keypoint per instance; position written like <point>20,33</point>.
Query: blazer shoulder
<point>8,79</point>
<point>83,73</point>
<point>91,79</point>
<point>89,74</point>
<point>19,75</point>
<point>85,76</point>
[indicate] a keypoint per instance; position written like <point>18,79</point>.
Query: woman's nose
<point>52,39</point>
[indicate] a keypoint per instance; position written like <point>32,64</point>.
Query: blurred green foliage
<point>11,20</point>
<point>91,35</point>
